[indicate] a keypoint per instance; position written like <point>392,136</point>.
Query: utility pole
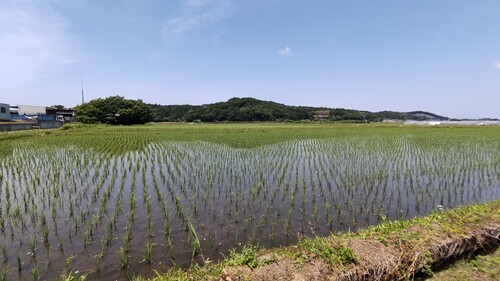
<point>83,97</point>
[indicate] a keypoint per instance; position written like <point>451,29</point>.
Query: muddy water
<point>62,207</point>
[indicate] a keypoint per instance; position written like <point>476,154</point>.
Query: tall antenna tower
<point>83,97</point>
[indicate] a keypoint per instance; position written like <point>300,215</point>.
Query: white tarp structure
<point>31,110</point>
<point>466,122</point>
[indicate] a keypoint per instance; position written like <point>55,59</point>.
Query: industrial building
<point>25,117</point>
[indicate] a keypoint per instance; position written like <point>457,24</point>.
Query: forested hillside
<point>250,109</point>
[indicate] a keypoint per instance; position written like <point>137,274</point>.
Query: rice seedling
<point>68,261</point>
<point>100,254</point>
<point>195,241</point>
<point>4,273</point>
<point>5,254</point>
<point>148,252</point>
<point>35,272</point>
<point>33,247</point>
<point>123,259</point>
<point>78,189</point>
<point>19,263</point>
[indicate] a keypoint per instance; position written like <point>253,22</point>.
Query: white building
<point>31,110</point>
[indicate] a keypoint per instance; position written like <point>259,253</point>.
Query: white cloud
<point>496,64</point>
<point>33,42</point>
<point>197,13</point>
<point>154,55</point>
<point>197,3</point>
<point>216,37</point>
<point>285,52</point>
<point>179,25</point>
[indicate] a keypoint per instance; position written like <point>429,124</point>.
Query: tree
<point>114,110</point>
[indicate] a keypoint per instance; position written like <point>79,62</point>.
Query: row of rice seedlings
<point>337,205</point>
<point>128,236</point>
<point>296,186</point>
<point>161,201</point>
<point>38,211</point>
<point>148,250</point>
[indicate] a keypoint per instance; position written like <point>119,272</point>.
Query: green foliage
<point>235,110</point>
<point>341,114</point>
<point>114,110</point>
<point>250,109</point>
<point>247,256</point>
<point>58,106</point>
<point>4,273</point>
<point>339,255</point>
<point>481,267</point>
<point>170,113</point>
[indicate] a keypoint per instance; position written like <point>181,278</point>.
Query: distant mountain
<point>412,115</point>
<point>250,109</point>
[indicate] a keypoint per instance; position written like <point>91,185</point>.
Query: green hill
<point>250,109</point>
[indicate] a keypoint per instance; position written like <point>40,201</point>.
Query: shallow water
<point>268,196</point>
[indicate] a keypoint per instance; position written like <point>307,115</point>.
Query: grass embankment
<point>390,251</point>
<point>480,268</point>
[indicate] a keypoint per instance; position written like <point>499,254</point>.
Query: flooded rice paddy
<point>178,203</point>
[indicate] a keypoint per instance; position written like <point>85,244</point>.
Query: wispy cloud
<point>197,13</point>
<point>285,52</point>
<point>34,42</point>
<point>496,65</point>
<point>197,3</point>
<point>154,55</point>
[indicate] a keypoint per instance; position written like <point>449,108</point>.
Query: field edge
<point>393,250</point>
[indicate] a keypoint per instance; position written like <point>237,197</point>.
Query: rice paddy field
<point>117,202</point>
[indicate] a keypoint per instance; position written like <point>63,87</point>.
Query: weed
<point>247,256</point>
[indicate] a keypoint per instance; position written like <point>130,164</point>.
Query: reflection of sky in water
<point>264,195</point>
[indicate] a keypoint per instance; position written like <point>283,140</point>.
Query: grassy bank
<point>483,267</point>
<point>390,251</point>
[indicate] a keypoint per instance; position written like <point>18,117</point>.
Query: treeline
<point>117,110</point>
<point>250,109</point>
<point>340,114</point>
<point>235,109</point>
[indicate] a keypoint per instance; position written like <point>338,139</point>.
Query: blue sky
<point>439,56</point>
